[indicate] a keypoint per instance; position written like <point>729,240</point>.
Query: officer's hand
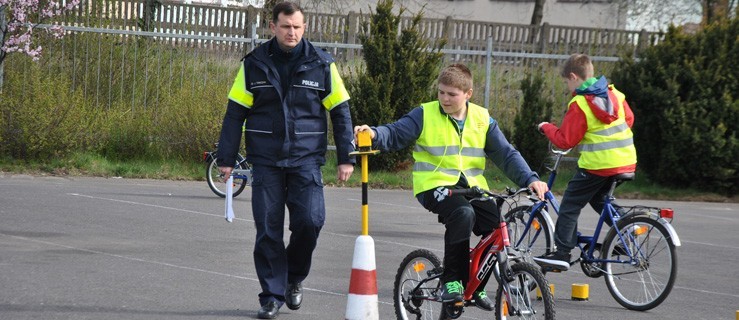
<point>363,127</point>
<point>540,188</point>
<point>226,172</point>
<point>345,171</point>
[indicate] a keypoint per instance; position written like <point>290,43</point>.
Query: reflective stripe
<point>338,93</point>
<point>451,150</point>
<point>607,145</point>
<point>612,130</point>
<point>260,131</point>
<point>425,166</point>
<point>473,152</point>
<point>238,92</point>
<point>473,172</point>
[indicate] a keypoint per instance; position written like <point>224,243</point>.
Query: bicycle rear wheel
<point>409,301</point>
<point>645,283</point>
<point>534,242</point>
<point>528,279</point>
<point>215,179</point>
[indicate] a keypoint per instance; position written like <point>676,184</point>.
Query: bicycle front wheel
<point>648,269</point>
<point>409,299</point>
<point>535,241</point>
<point>215,179</point>
<point>524,303</point>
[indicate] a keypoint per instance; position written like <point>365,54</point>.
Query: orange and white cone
<point>362,299</point>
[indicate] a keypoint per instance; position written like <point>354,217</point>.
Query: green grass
<point>87,164</point>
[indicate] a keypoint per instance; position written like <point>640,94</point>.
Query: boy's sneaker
<point>482,301</point>
<point>559,261</point>
<point>452,292</point>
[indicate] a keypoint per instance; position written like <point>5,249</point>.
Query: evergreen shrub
<point>684,95</point>
<point>535,108</point>
<point>397,76</point>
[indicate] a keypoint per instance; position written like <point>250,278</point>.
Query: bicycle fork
<point>506,274</point>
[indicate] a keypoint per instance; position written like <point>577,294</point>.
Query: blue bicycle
<point>637,256</point>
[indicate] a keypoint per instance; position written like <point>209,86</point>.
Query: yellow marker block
<point>737,315</point>
<point>364,139</point>
<point>538,291</point>
<point>580,291</point>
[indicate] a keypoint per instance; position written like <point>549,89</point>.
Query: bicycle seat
<point>628,176</point>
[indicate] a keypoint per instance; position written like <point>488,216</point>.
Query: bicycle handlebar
<point>558,151</point>
<point>479,192</point>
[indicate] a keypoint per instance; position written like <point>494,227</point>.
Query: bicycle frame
<point>489,246</point>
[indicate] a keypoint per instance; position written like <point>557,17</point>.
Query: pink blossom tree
<point>19,19</point>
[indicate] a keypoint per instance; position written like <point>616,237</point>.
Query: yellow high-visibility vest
<point>441,155</point>
<point>605,146</point>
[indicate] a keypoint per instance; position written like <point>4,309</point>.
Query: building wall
<point>576,13</point>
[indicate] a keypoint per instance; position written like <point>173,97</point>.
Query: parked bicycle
<point>637,256</point>
<point>241,173</point>
<point>417,288</point>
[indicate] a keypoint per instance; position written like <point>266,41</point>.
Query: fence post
<point>351,32</point>
<point>3,26</point>
<point>544,37</point>
<point>643,42</point>
<point>488,70</point>
<point>449,30</point>
<point>251,26</point>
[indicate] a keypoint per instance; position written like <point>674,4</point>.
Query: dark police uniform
<point>283,101</point>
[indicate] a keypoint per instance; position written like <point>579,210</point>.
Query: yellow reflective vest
<point>605,146</point>
<point>441,154</point>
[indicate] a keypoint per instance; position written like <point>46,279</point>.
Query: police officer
<point>284,90</point>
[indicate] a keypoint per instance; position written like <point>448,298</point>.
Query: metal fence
<point>118,63</point>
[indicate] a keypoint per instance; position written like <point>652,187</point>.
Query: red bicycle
<point>417,289</point>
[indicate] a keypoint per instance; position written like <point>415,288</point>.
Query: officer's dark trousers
<point>461,218</point>
<point>582,189</point>
<point>301,190</point>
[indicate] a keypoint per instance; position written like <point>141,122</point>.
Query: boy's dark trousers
<point>582,189</point>
<point>461,218</point>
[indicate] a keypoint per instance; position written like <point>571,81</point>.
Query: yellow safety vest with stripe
<point>244,97</point>
<point>605,146</point>
<point>441,154</point>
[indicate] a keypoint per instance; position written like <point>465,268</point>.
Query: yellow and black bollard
<point>362,298</point>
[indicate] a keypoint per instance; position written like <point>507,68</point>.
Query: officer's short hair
<point>580,65</point>
<point>456,75</point>
<point>287,8</point>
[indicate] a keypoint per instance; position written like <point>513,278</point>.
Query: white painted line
<point>237,218</point>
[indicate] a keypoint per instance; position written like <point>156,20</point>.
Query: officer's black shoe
<point>294,295</point>
<point>270,310</point>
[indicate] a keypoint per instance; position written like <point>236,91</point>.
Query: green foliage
<point>536,107</point>
<point>398,75</point>
<point>684,95</point>
<point>150,110</point>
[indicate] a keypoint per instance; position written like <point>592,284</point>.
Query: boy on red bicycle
<point>452,138</point>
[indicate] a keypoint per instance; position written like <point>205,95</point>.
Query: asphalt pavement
<point>109,248</point>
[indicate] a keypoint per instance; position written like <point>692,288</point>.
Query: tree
<point>538,15</point>
<point>714,10</point>
<point>655,15</point>
<point>398,74</point>
<point>536,107</point>
<point>685,98</point>
<point>19,19</point>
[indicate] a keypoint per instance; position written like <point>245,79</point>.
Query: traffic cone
<point>362,298</point>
